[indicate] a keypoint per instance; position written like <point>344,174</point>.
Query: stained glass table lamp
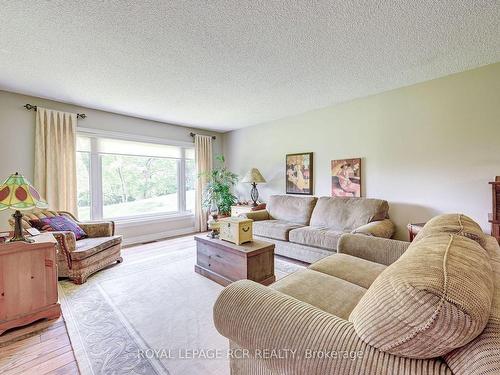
<point>18,194</point>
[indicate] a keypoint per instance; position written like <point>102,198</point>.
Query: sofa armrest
<point>381,228</point>
<point>98,229</point>
<point>256,215</point>
<point>304,339</point>
<point>257,318</point>
<point>66,243</point>
<point>375,249</point>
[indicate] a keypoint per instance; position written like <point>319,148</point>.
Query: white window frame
<point>95,175</point>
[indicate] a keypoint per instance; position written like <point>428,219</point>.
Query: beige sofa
<point>379,306</point>
<point>308,228</point>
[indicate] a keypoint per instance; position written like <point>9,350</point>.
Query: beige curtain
<point>203,156</point>
<point>55,158</point>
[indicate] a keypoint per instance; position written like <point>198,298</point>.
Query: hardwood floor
<point>47,351</point>
<point>44,348</point>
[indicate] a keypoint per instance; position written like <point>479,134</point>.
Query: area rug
<point>152,314</point>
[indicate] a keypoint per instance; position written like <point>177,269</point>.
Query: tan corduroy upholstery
<point>342,213</point>
<point>440,298</point>
<point>458,224</point>
<point>374,249</point>
<point>292,209</point>
<point>352,269</point>
<point>255,318</point>
<point>319,223</point>
<point>435,298</point>
<point>482,355</point>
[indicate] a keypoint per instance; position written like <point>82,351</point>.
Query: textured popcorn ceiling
<point>226,64</point>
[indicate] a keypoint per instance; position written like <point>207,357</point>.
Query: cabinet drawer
<point>221,262</point>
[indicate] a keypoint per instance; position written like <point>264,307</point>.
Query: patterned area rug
<point>152,314</point>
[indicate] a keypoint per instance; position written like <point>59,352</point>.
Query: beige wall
<point>17,132</point>
<point>427,148</point>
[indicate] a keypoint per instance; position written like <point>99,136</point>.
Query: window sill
<point>133,221</point>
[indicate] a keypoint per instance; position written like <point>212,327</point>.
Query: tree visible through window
<point>135,179</point>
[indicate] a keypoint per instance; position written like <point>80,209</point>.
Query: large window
<point>125,179</point>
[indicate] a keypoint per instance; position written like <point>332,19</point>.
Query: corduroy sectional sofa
<point>378,306</point>
<point>308,228</point>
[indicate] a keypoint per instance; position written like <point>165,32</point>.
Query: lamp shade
<point>17,193</point>
<point>253,176</point>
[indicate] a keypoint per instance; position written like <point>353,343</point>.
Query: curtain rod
<point>193,134</point>
<point>30,107</point>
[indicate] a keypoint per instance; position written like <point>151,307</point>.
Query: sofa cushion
<point>290,208</point>
<point>277,229</point>
<point>452,223</point>
<point>346,267</point>
<point>436,297</point>
<point>328,293</point>
<point>323,238</point>
<point>90,246</point>
<point>347,214</point>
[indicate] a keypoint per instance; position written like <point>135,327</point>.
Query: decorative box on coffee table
<point>236,230</point>
<point>225,262</point>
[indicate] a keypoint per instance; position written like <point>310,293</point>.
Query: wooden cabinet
<point>494,216</point>
<point>28,282</point>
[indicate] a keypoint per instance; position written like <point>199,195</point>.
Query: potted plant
<point>220,182</point>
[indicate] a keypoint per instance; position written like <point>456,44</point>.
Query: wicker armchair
<point>77,260</point>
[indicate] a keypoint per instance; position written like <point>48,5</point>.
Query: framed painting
<point>346,178</point>
<point>299,173</point>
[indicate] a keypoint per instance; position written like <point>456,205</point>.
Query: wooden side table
<point>413,229</point>
<point>28,282</point>
<point>239,209</point>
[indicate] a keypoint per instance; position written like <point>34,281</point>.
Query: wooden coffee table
<point>225,262</point>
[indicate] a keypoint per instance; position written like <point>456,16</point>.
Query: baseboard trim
<point>128,241</point>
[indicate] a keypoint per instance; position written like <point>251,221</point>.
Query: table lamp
<point>17,194</point>
<point>254,177</point>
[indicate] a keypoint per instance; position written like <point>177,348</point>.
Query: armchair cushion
<point>90,246</point>
<point>58,223</point>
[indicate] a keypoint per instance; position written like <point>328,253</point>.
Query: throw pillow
<point>58,223</point>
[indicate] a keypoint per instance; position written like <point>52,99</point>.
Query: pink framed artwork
<point>346,177</point>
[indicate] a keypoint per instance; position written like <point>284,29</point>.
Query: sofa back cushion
<point>482,355</point>
<point>435,298</point>
<point>291,208</point>
<point>341,213</point>
<point>458,224</point>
